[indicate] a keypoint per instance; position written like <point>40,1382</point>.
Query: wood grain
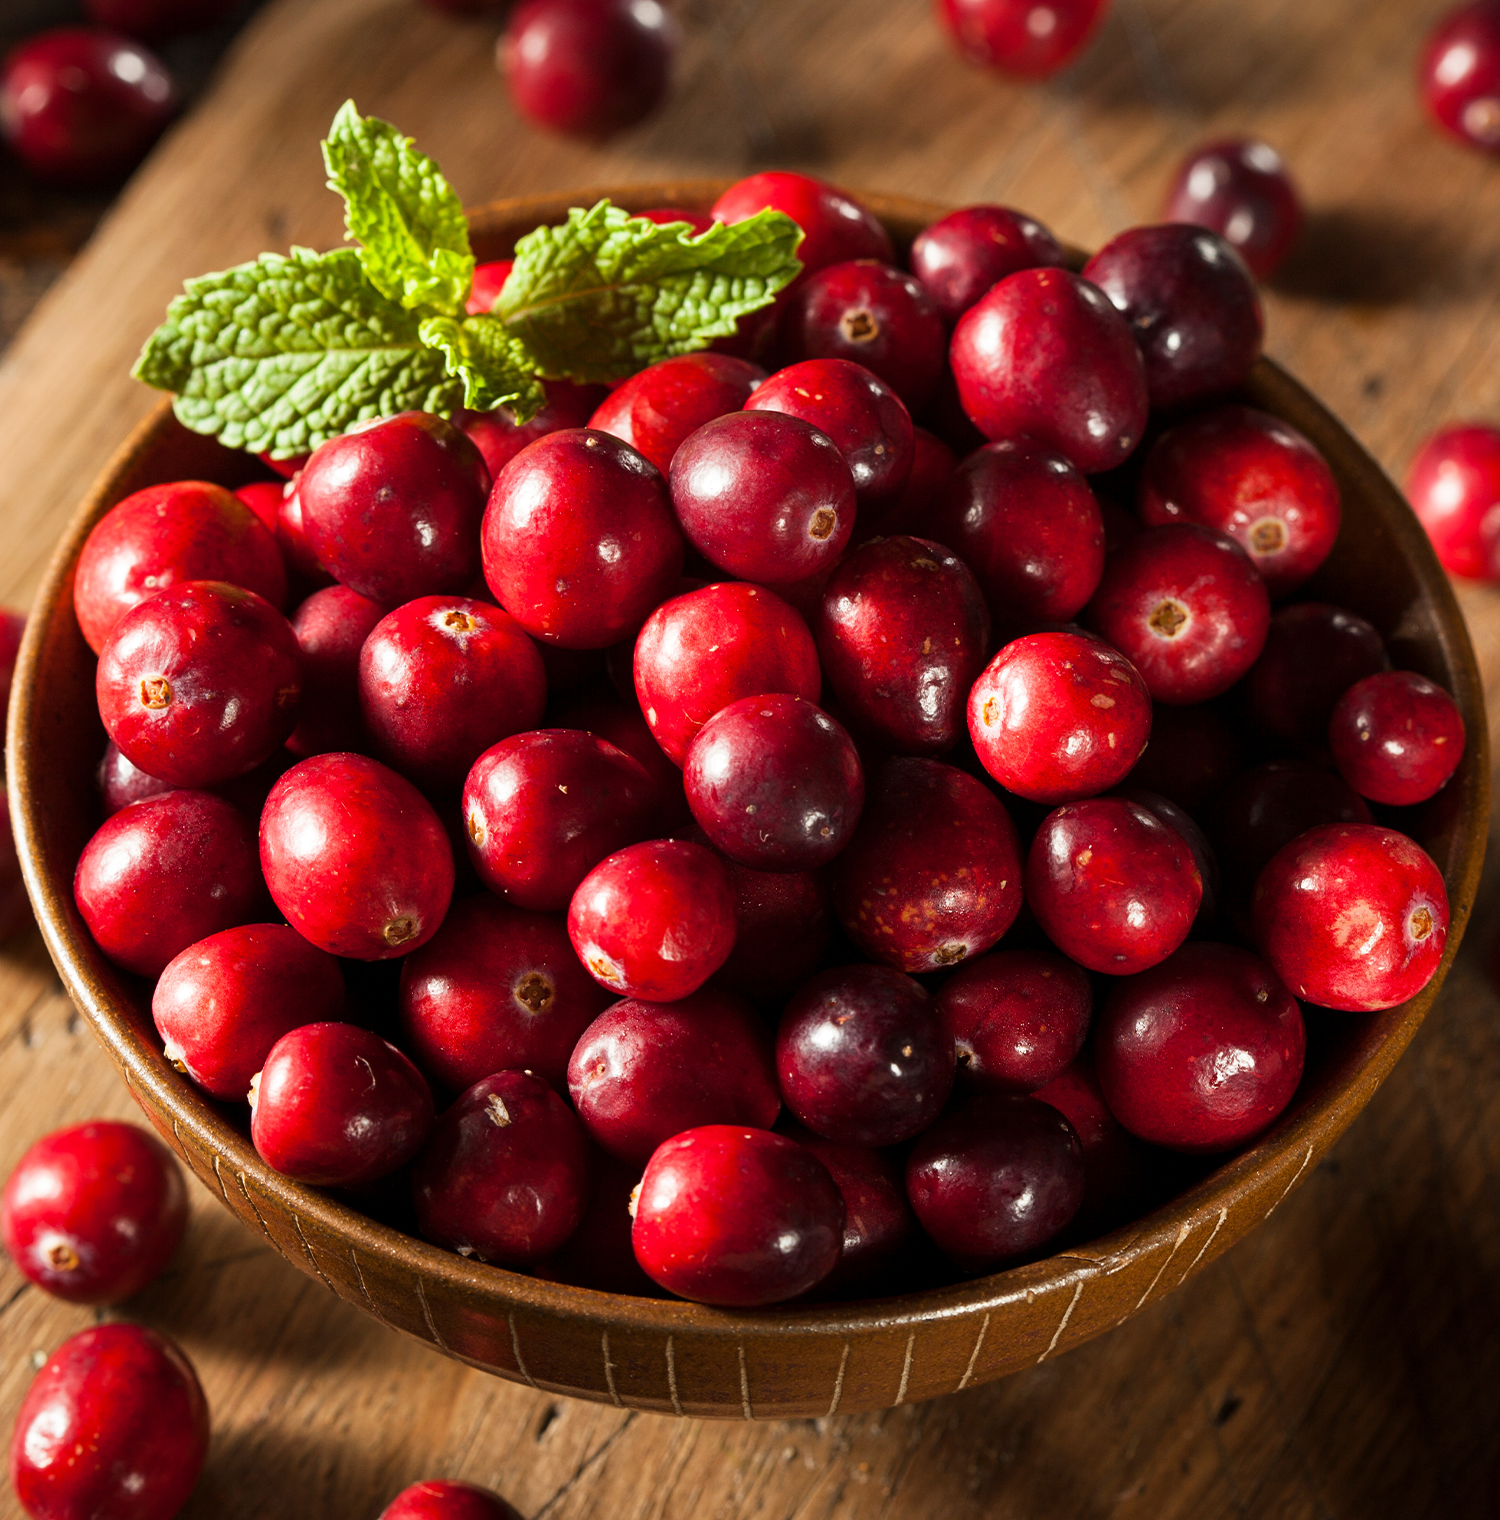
<point>1340,1362</point>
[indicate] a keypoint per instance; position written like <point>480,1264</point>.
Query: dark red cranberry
<point>264,498</point>
<point>1454,488</point>
<point>114,1424</point>
<point>1017,1018</point>
<point>166,872</point>
<point>12,628</point>
<point>598,1254</point>
<point>121,783</point>
<point>442,1498</point>
<point>960,257</point>
<point>588,68</point>
<point>1192,305</point>
<point>15,906</point>
<point>626,728</point>
<point>291,535</point>
<point>499,437</point>
<point>1240,189</point>
<point>933,874</point>
<point>1182,823</point>
<point>579,539</point>
<point>1460,74</point>
<point>94,1212</point>
<point>737,1217</point>
<point>1045,353</point>
<point>155,20</point>
<point>1059,716</point>
<point>932,466</point>
<point>1192,752</point>
<point>484,290</point>
<point>223,1003</point>
<point>783,928</point>
<point>1202,1052</point>
<point>159,537</point>
<point>835,227</point>
<point>1028,526</point>
<point>331,627</point>
<point>995,1178</point>
<point>1254,477</point>
<point>1115,1163</point>
<point>1396,737</point>
<point>1019,37</point>
<point>355,857</point>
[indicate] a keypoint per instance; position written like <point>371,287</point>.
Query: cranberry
<point>1020,37</point>
<point>1240,189</point>
<point>505,1175</point>
<point>1396,737</point>
<point>82,106</point>
<point>1114,1162</point>
<point>933,874</point>
<point>932,466</point>
<point>331,627</point>
<point>186,531</point>
<point>166,872</point>
<point>960,257</point>
<point>1202,1052</point>
<point>598,1254</point>
<point>588,68</point>
<point>224,1002</point>
<point>1028,526</point>
<point>579,539</point>
<point>114,1424</point>
<point>499,437</point>
<point>1352,916</point>
<point>835,226</point>
<point>656,410</point>
<point>1454,488</point>
<point>1191,304</point>
<point>1460,74</point>
<point>627,730</point>
<point>355,857</point>
<point>1192,752</point>
<point>699,652</point>
<point>392,508</point>
<point>737,1217</point>
<point>1059,716</point>
<point>1254,477</point>
<point>1181,822</point>
<point>264,498</point>
<point>154,20</point>
<point>995,1178</point>
<point>15,906</point>
<point>94,1212</point>
<point>442,1498</point>
<point>783,928</point>
<point>291,535</point>
<point>484,290</point>
<point>288,469</point>
<point>1017,1018</point>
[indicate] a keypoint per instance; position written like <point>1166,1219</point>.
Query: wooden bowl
<point>683,1358</point>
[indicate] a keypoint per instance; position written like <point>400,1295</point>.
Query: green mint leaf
<point>398,206</point>
<point>607,293</point>
<point>283,354</point>
<point>496,368</point>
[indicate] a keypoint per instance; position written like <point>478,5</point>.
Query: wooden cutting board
<point>1341,1362</point>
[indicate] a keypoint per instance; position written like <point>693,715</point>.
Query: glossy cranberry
<point>933,874</point>
<point>442,1498</point>
<point>1059,716</point>
<point>223,1003</point>
<point>737,1217</point>
<point>1192,752</point>
<point>331,627</point>
<point>1019,37</point>
<point>355,857</point>
<point>484,290</point>
<point>1396,737</point>
<point>701,651</point>
<point>291,535</point>
<point>995,1178</point>
<point>1202,1052</point>
<point>626,728</point>
<point>392,508</point>
<point>1240,189</point>
<point>960,257</point>
<point>165,873</point>
<point>264,498</point>
<point>121,783</point>
<point>186,531</point>
<point>1454,488</point>
<point>1182,823</point>
<point>154,20</point>
<point>1017,1018</point>
<point>1115,1163</point>
<point>598,1254</point>
<point>15,906</point>
<point>1192,305</point>
<point>835,227</point>
<point>1460,74</point>
<point>505,1175</point>
<point>932,467</point>
<point>588,68</point>
<point>114,1424</point>
<point>1028,526</point>
<point>499,437</point>
<point>94,1212</point>
<point>783,929</point>
<point>1254,477</point>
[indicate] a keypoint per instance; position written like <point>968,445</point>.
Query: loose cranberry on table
<point>331,627</point>
<point>1192,752</point>
<point>1239,188</point>
<point>1020,37</point>
<point>1396,737</point>
<point>1459,74</point>
<point>499,437</point>
<point>442,1498</point>
<point>835,226</point>
<point>737,1217</point>
<point>932,466</point>
<point>1453,486</point>
<point>114,1424</point>
<point>154,20</point>
<point>960,257</point>
<point>94,1212</point>
<point>484,290</point>
<point>783,927</point>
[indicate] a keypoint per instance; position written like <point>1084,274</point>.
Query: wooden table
<point>1344,1360</point>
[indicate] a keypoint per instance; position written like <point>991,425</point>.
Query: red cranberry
<point>579,539</point>
<point>737,1217</point>
<point>699,652</point>
<point>1454,488</point>
<point>484,290</point>
<point>1191,304</point>
<point>12,628</point>
<point>835,226</point>
<point>114,1424</point>
<point>932,466</point>
<point>94,1212</point>
<point>1240,189</point>
<point>442,1498</point>
<point>355,857</point>
<point>1059,716</point>
<point>1181,822</point>
<point>1396,737</point>
<point>1202,1052</point>
<point>505,1175</point>
<point>155,20</point>
<point>1115,1163</point>
<point>331,627</point>
<point>933,874</point>
<point>1192,752</point>
<point>994,1179</point>
<point>499,437</point>
<point>1254,477</point>
<point>264,498</point>
<point>626,728</point>
<point>1045,353</point>
<point>159,537</point>
<point>1017,1018</point>
<point>15,906</point>
<point>960,257</point>
<point>1019,37</point>
<point>1028,526</point>
<point>288,469</point>
<point>783,928</point>
<point>392,508</point>
<point>223,1003</point>
<point>588,68</point>
<point>164,873</point>
<point>598,1254</point>
<point>1460,74</point>
<point>291,535</point>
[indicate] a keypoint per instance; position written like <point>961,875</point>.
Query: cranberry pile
<point>767,830</point>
